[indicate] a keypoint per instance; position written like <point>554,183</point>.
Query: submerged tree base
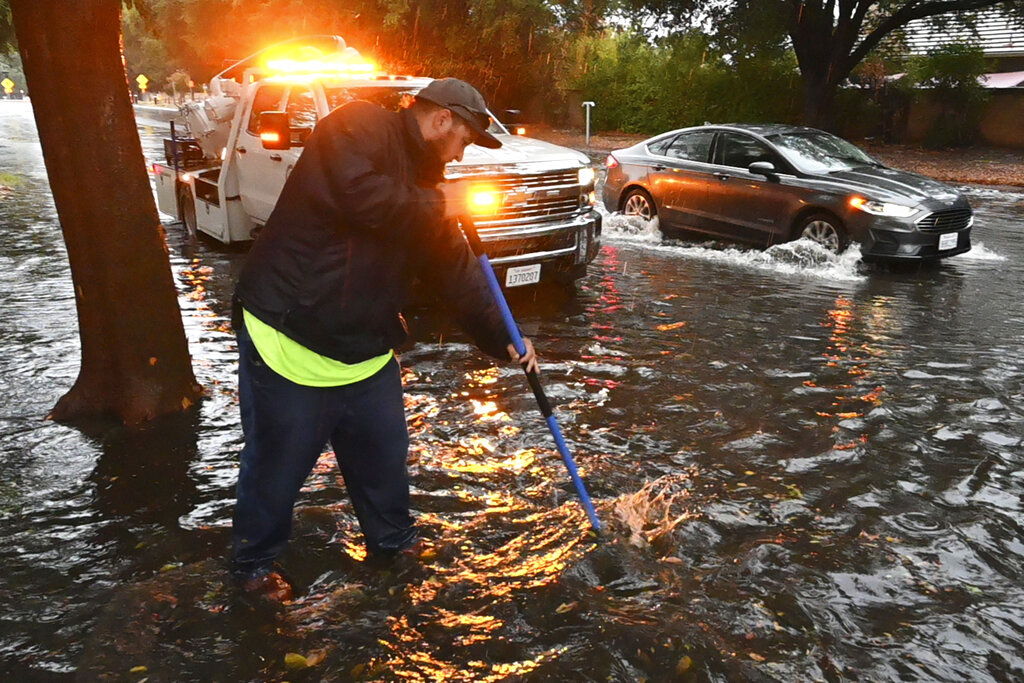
<point>132,403</point>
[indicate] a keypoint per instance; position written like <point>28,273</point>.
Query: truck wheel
<point>826,230</point>
<point>187,213</point>
<point>638,203</point>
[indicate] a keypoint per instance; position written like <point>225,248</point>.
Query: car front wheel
<point>826,230</point>
<point>639,203</point>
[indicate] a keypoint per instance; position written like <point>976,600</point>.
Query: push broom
<point>469,228</point>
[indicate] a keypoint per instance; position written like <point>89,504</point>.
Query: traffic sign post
<point>143,82</point>
<point>588,105</point>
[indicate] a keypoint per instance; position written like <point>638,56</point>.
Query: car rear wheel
<point>639,203</point>
<point>826,230</point>
<point>187,212</point>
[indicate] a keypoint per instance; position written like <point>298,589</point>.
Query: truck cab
<point>537,218</point>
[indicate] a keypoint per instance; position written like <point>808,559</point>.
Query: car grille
<point>534,197</point>
<point>948,220</point>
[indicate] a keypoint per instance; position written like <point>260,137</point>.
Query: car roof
<point>762,129</point>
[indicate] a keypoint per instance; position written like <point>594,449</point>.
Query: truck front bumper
<point>564,245</point>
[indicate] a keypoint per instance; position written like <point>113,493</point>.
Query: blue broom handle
<point>531,375</point>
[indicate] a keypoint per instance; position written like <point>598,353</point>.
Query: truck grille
<point>948,220</point>
<point>498,248</point>
<point>534,197</point>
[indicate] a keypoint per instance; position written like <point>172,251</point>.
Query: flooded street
<point>808,469</point>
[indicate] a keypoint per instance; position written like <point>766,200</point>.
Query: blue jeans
<point>286,426</point>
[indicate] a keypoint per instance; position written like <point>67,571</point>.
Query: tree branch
<point>906,14</point>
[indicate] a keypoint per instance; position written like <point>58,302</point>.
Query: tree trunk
<point>135,361</point>
<point>818,99</point>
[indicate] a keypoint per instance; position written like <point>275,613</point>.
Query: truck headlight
<point>882,208</point>
<point>586,176</point>
<point>483,201</point>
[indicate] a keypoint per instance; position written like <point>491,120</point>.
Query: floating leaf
<point>683,665</point>
<point>566,607</point>
<point>138,670</point>
<point>293,661</point>
<point>756,657</point>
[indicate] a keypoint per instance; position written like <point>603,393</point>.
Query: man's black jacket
<point>358,220</point>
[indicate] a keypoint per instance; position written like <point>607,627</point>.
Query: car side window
<point>695,146</point>
<point>659,146</point>
<point>739,151</point>
<point>302,115</point>
<point>268,98</point>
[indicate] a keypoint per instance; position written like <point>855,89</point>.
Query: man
<point>318,313</point>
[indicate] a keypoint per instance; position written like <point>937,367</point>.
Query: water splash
<point>802,257</point>
<point>979,252</point>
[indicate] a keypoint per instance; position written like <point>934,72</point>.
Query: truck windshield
<point>391,98</point>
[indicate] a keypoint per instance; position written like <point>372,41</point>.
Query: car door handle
<point>241,150</point>
<point>722,176</point>
<point>275,157</point>
<point>658,167</point>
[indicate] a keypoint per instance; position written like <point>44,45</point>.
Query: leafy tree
<point>505,48</point>
<point>829,37</point>
<point>681,80</point>
<point>135,362</point>
<point>949,75</point>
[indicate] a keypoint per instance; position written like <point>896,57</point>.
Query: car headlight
<point>882,208</point>
<point>586,176</point>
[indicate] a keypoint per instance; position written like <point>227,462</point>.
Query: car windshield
<point>391,98</point>
<point>819,152</point>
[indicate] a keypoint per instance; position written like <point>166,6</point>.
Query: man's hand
<point>456,198</point>
<point>529,359</point>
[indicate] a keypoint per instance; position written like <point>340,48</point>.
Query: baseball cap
<point>462,99</point>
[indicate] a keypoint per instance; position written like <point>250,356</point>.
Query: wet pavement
<point>808,470</point>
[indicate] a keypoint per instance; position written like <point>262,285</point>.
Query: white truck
<point>537,219</point>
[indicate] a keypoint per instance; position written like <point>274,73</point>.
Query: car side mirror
<point>765,168</point>
<point>275,132</point>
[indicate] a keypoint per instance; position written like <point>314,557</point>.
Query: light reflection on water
<point>807,469</point>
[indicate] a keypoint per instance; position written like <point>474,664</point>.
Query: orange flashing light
<point>857,202</point>
<point>320,66</point>
<point>270,136</point>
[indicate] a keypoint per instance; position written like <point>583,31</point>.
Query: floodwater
<point>807,470</point>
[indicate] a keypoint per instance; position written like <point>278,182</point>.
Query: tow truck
<point>534,201</point>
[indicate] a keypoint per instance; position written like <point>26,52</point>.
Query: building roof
<point>997,35</point>
<point>1006,79</point>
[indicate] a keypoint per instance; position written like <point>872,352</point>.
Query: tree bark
<point>135,361</point>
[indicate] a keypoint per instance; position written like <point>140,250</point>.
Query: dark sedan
<point>766,184</point>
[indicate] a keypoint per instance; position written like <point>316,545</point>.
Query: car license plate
<point>947,241</point>
<point>522,275</point>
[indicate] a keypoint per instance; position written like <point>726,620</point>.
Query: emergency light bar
<point>320,66</point>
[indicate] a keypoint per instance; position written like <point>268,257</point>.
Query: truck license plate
<point>522,275</point>
<point>947,241</point>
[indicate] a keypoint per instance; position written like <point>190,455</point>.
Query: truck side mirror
<point>275,132</point>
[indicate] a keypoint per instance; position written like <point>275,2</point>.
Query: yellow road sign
<point>142,81</point>
<point>8,85</point>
